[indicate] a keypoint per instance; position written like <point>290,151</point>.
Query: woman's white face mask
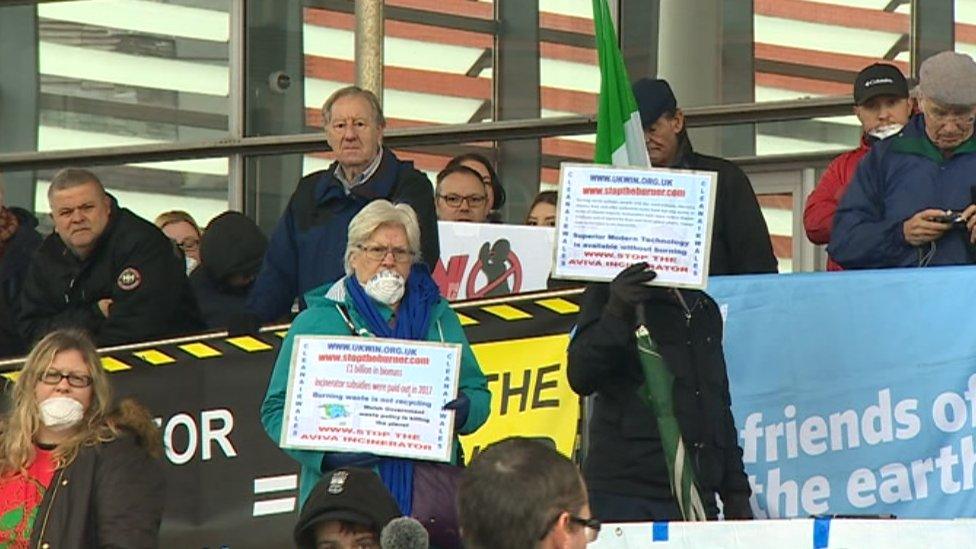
<point>386,286</point>
<point>60,413</point>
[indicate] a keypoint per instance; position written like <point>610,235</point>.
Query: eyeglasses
<point>455,200</point>
<point>591,525</point>
<point>53,377</point>
<point>379,253</point>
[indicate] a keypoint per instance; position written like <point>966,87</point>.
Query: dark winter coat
<point>13,269</point>
<point>901,176</point>
<point>625,455</point>
<point>133,264</point>
<point>110,496</point>
<point>308,246</point>
<point>740,237</point>
<point>231,245</point>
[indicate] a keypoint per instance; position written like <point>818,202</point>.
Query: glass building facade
<point>209,105</point>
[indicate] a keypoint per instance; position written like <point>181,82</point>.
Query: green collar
<point>923,146</point>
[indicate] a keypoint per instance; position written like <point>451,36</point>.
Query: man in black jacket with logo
<point>625,466</point>
<point>104,270</point>
<point>740,238</point>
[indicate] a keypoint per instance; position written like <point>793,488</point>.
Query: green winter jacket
<point>323,317</point>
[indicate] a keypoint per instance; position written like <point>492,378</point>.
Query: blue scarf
<point>412,322</point>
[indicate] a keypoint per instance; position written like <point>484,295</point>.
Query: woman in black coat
<point>74,472</point>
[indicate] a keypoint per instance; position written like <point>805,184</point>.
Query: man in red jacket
<point>883,107</point>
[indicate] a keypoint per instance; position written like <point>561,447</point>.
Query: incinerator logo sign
<point>481,260</point>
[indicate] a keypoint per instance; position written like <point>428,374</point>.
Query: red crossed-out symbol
<point>515,271</point>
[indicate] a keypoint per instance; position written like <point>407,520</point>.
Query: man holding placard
<point>740,238</point>
<point>660,449</point>
<point>663,442</point>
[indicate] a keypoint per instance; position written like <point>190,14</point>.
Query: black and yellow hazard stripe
<point>486,320</point>
<point>540,313</point>
<point>181,351</point>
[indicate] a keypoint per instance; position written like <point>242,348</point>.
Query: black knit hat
<point>350,494</point>
<point>232,244</point>
<point>654,98</point>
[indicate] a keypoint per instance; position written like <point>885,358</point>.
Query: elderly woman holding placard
<point>388,293</point>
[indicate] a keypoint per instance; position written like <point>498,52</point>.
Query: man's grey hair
<point>72,177</point>
<point>353,91</point>
<point>375,215</point>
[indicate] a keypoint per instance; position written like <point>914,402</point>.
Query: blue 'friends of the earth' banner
<point>855,392</point>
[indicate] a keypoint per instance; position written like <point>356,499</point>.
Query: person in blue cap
<point>740,238</point>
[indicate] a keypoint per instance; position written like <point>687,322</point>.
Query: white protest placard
<point>380,396</point>
<point>480,260</point>
<point>610,217</point>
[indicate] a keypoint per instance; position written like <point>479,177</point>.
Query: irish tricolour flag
<point>620,142</point>
<point>619,137</point>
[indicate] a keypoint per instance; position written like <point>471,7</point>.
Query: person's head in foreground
<point>347,509</point>
<point>947,98</point>
<point>521,493</point>
<point>383,247</point>
<point>542,212</point>
<point>881,101</point>
<point>461,195</point>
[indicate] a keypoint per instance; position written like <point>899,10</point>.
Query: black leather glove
<point>628,290</point>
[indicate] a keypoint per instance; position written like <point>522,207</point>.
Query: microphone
<point>404,533</point>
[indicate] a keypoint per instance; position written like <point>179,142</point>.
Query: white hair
<point>375,215</point>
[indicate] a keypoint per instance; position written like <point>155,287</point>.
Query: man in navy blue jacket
<point>307,248</point>
<point>911,201</point>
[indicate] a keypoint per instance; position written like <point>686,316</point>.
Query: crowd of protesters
<point>354,250</point>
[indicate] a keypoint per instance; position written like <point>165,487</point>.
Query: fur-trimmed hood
<point>132,417</point>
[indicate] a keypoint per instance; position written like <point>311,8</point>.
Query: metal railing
<point>720,115</point>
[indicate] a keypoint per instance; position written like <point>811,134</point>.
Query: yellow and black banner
<point>229,485</point>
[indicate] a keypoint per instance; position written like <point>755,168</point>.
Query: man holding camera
<point>911,201</point>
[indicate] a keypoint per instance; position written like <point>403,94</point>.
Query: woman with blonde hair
<point>74,470</point>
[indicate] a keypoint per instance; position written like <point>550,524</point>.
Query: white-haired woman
<point>387,292</point>
<point>76,472</point>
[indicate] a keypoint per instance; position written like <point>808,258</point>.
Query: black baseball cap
<point>350,494</point>
<point>654,98</point>
<point>879,79</point>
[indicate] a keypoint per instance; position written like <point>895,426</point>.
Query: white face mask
<point>386,286</point>
<point>883,132</point>
<point>190,265</point>
<point>60,413</point>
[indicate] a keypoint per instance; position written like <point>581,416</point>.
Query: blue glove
<point>461,406</point>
